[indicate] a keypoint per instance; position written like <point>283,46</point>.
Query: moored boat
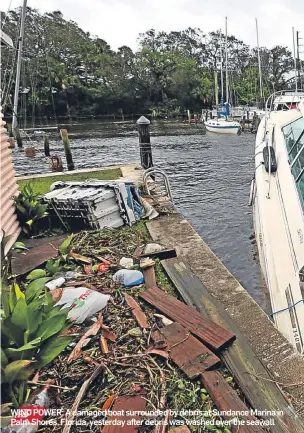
<point>277,196</point>
<point>223,126</point>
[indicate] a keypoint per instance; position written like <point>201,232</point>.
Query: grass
<point>41,185</point>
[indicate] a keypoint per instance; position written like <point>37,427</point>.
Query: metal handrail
<point>155,170</point>
<point>269,105</point>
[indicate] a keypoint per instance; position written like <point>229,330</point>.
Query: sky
<point>119,22</point>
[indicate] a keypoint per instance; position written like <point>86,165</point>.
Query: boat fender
<point>252,192</point>
<point>269,159</point>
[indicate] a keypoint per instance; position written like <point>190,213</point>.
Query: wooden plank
<point>210,333</point>
<point>126,403</point>
<point>192,356</point>
<point>40,250</point>
<point>149,276</point>
<point>246,368</point>
<point>161,255</point>
<point>225,399</point>
<point>137,312</point>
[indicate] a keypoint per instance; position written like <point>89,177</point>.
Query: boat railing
<point>272,99</point>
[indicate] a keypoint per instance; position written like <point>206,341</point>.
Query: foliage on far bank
<point>69,72</point>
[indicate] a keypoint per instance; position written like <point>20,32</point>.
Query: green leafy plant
<point>30,327</point>
<point>29,208</point>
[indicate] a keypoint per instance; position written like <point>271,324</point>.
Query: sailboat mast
<point>226,50</point>
<point>295,58</point>
<point>259,61</point>
<point>222,78</point>
<point>18,71</point>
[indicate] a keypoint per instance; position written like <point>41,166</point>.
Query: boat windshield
<point>294,139</point>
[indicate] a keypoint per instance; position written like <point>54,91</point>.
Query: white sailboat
<point>277,196</point>
<point>222,124</point>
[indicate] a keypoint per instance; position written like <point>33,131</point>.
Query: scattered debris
<point>18,423</point>
<point>40,250</point>
<point>76,352</point>
<point>80,258</point>
<point>159,352</point>
<point>103,345</point>
<point>124,405</point>
<point>83,302</point>
<point>103,268</point>
<point>150,279</point>
<point>225,399</point>
<point>209,332</point>
<point>164,319</point>
<point>152,248</point>
<point>126,262</point>
<point>98,371</point>
<point>137,312</point>
<point>139,368</point>
<point>109,402</point>
<point>146,263</point>
<point>159,254</point>
<point>55,284</point>
<point>192,356</point>
<point>129,277</point>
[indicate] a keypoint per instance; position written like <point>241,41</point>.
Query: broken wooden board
<point>210,333</point>
<point>40,250</point>
<point>161,255</point>
<point>149,276</point>
<point>137,312</point>
<point>225,398</point>
<point>124,404</point>
<point>192,356</point>
<point>246,368</point>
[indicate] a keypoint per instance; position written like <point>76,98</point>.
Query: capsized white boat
<point>223,126</point>
<point>277,196</point>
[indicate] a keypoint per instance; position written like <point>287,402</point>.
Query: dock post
<point>67,149</point>
<point>18,137</point>
<point>144,142</point>
<point>10,131</point>
<point>46,145</point>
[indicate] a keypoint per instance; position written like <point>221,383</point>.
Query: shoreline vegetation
<point>69,72</point>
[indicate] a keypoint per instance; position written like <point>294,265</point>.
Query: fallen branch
<point>103,345</point>
<point>137,312</point>
<point>79,397</point>
<point>76,352</point>
<point>65,388</point>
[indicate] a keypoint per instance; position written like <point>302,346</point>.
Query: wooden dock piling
<point>18,137</point>
<point>67,149</point>
<point>144,142</point>
<point>46,145</point>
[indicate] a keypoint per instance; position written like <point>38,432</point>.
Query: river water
<point>210,176</point>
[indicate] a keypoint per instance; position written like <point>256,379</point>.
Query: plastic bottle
<point>129,277</point>
<point>54,284</point>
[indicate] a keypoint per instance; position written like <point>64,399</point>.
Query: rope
<point>287,308</point>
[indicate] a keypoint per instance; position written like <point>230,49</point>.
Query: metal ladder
<point>155,170</point>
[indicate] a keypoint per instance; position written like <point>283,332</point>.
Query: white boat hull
<point>222,127</point>
<point>279,230</point>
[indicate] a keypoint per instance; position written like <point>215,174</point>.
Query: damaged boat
<point>277,196</point>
